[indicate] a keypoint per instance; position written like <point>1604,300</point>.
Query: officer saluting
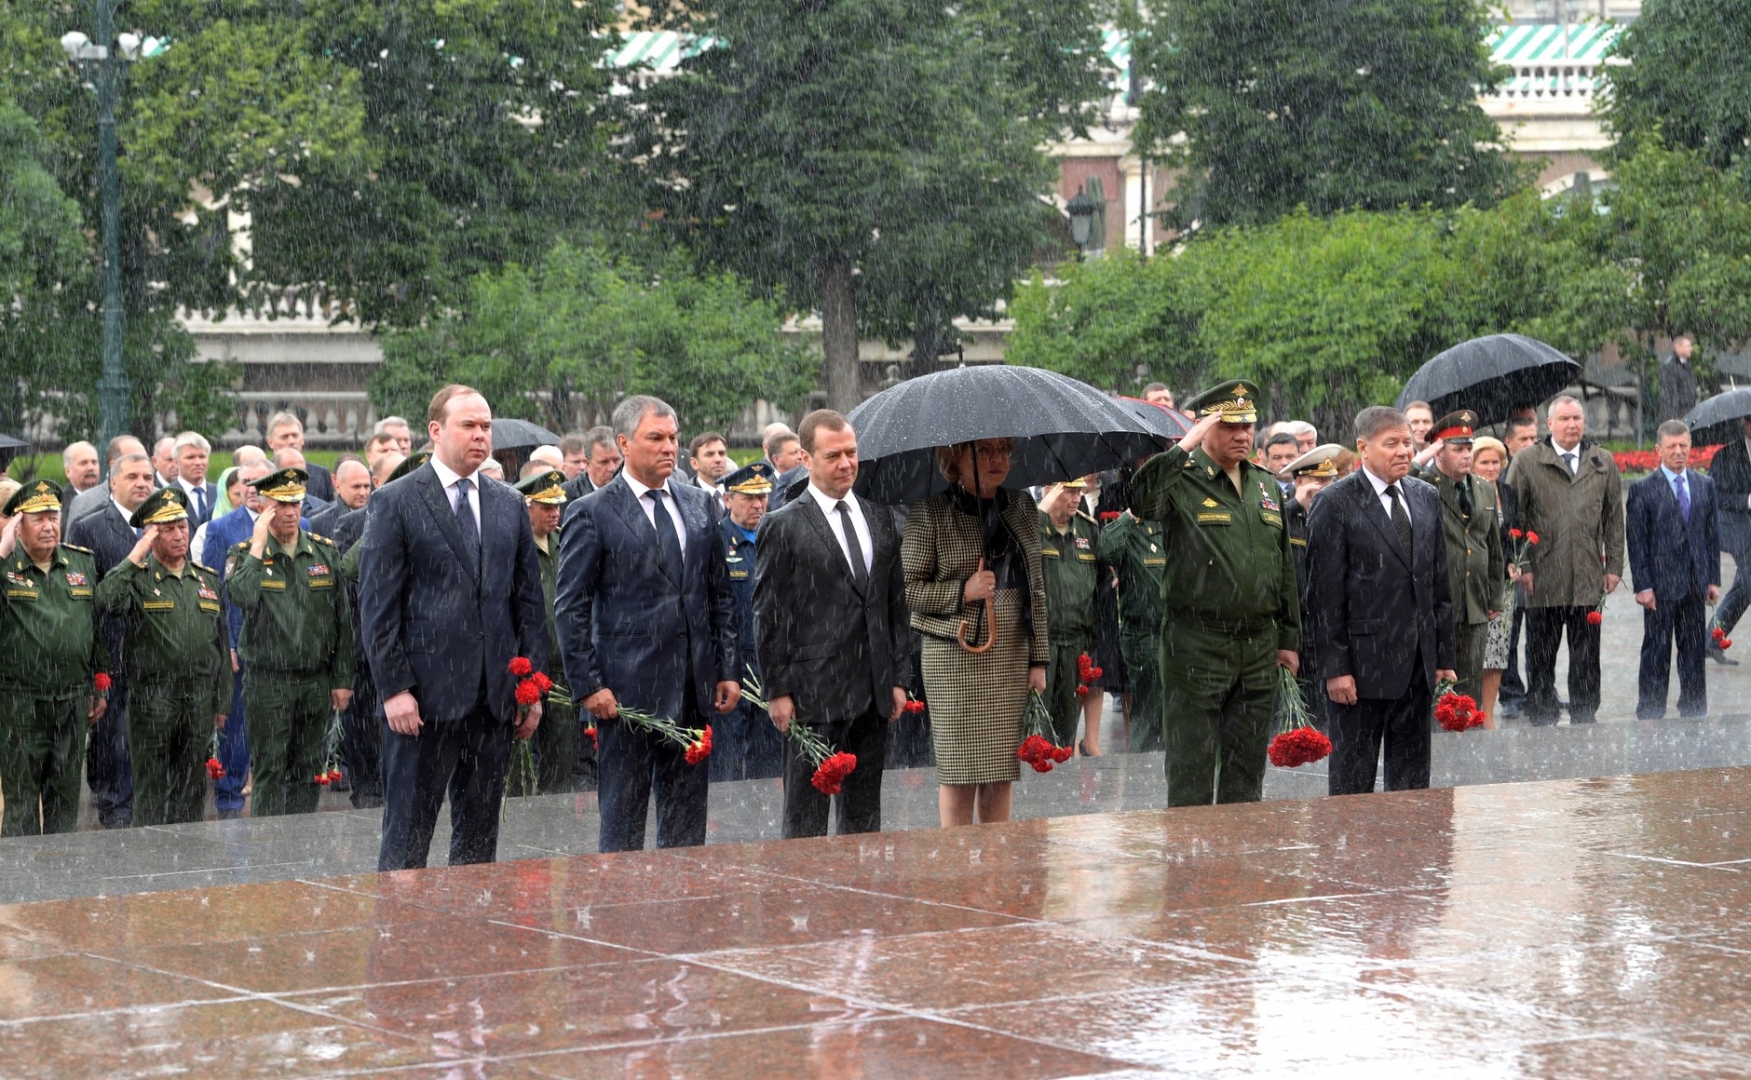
<point>296,645</point>
<point>178,660</point>
<point>52,639</point>
<point>1231,613</point>
<point>556,740</point>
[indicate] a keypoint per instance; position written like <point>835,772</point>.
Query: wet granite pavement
<point>1542,929</point>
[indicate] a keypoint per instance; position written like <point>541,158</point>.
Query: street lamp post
<point>113,388</point>
<point>1081,209</point>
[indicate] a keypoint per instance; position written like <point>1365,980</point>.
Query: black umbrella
<point>1491,376</point>
<point>1062,429</point>
<point>508,434</point>
<point>1716,420</point>
<point>9,449</point>
<point>1168,423</point>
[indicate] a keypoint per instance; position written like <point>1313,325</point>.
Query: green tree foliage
<point>867,158</point>
<point>1686,79</point>
<point>562,341</point>
<point>1330,105</point>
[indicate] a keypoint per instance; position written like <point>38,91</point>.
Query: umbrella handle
<point>991,621</point>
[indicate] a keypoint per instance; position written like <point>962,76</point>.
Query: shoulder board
<point>244,544</point>
<point>76,547</point>
<point>202,566</point>
<point>320,539</point>
<point>1086,516</point>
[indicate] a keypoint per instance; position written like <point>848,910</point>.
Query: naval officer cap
<point>1320,463</point>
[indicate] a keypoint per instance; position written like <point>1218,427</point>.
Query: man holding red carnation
<point>56,667</point>
<point>1675,561</point>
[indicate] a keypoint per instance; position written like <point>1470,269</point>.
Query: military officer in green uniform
<point>1311,474</point>
<point>556,739</point>
<point>52,640</point>
<point>1072,573</point>
<point>1137,552</point>
<point>1471,522</point>
<point>296,646</point>
<point>178,660</point>
<point>1231,615</point>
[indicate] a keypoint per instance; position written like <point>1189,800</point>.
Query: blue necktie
<point>200,494</point>
<point>465,520</point>
<point>1683,499</point>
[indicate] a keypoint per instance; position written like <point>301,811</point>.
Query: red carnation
<point>528,693</point>
<point>1298,746</point>
<point>700,749</point>
<point>1061,753</point>
<point>1717,633</point>
<point>1515,533</point>
<point>335,776</point>
<point>595,744</point>
<point>913,705</point>
<point>1532,538</point>
<point>521,667</point>
<point>542,682</point>
<point>321,778</point>
<point>1081,691</point>
<point>214,769</point>
<point>1594,618</point>
<point>1458,712</point>
<point>830,775</point>
<point>101,681</point>
<point>1109,515</point>
<point>1726,643</point>
<point>1038,752</point>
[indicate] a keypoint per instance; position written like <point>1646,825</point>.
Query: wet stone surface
<point>1577,927</point>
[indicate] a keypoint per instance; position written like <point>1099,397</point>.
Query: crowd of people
<point>281,629</point>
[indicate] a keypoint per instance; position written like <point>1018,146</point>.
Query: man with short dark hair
<point>1569,492</point>
<point>378,445</point>
<point>1279,450</point>
<point>1421,417</point>
<point>602,461</point>
<point>646,619</point>
<point>1383,611</point>
<point>1677,381</point>
<point>286,432</point>
<point>709,455</point>
<point>784,451</point>
<point>1157,393</point>
<point>1675,559</point>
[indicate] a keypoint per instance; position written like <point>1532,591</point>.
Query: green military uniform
<point>178,667</point>
<point>556,738</point>
<point>296,647</point>
<point>1319,463</point>
<point>52,641</point>
<point>1471,522</point>
<point>1072,570</point>
<point>1229,605</point>
<point>1137,551</point>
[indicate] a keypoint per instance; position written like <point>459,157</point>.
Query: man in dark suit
<point>286,432</point>
<point>790,484</point>
<point>98,496</point>
<point>1382,607</point>
<point>106,532</point>
<point>601,461</point>
<point>830,608</point>
<point>352,486</point>
<point>646,619</point>
<point>191,451</point>
<point>450,593</point>
<point>1675,560</point>
<point>1677,381</point>
<point>1730,471</point>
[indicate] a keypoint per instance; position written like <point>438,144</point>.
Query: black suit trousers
<point>1358,731</point>
<point>465,758</point>
<point>858,805</point>
<point>631,763</point>
<point>1545,627</point>
<point>1686,621</point>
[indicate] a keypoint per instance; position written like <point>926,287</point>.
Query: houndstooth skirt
<point>1495,646</point>
<point>976,700</point>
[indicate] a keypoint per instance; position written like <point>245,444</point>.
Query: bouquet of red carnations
<point>1037,747</point>
<point>1297,741</point>
<point>831,767</point>
<point>1455,711</point>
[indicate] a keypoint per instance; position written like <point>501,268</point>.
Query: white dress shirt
<point>650,509</point>
<point>449,477</point>
<point>1380,487</point>
<point>1560,451</point>
<point>836,521</point>
<point>190,489</point>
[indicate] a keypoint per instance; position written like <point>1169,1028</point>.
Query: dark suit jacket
<point>1677,388</point>
<point>575,489</point>
<point>624,623</point>
<point>110,538</point>
<point>326,521</point>
<point>1731,473</point>
<point>1665,554</point>
<point>434,624</point>
<point>789,484</point>
<point>195,521</point>
<point>321,482</point>
<point>834,648</point>
<point>1374,609</point>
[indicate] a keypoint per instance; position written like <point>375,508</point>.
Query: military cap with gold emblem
<point>413,461</point>
<point>1236,401</point>
<point>1320,463</point>
<point>165,505</point>
<point>753,479</point>
<point>283,485</point>
<point>543,487</point>
<point>1455,427</point>
<point>36,497</point>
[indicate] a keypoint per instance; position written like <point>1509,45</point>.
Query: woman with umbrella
<point>971,557</point>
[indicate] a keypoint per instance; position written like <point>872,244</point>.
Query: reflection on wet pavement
<point>1558,928</point>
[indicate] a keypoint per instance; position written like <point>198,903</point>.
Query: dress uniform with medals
<point>1229,606</point>
<point>178,661</point>
<point>1071,566</point>
<point>756,747</point>
<point>51,636</point>
<point>297,648</point>
<point>556,738</point>
<point>1318,464</point>
<point>1471,522</point>
<point>1137,552</point>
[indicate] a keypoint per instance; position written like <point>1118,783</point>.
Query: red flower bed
<point>1646,461</point>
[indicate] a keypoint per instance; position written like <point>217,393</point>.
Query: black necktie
<point>668,541</point>
<point>1464,486</point>
<point>465,521</point>
<point>1400,519</point>
<point>859,573</point>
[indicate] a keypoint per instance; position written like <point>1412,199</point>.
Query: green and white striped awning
<point>660,51</point>
<point>1579,43</point>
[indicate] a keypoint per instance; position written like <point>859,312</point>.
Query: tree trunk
<point>839,334</point>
